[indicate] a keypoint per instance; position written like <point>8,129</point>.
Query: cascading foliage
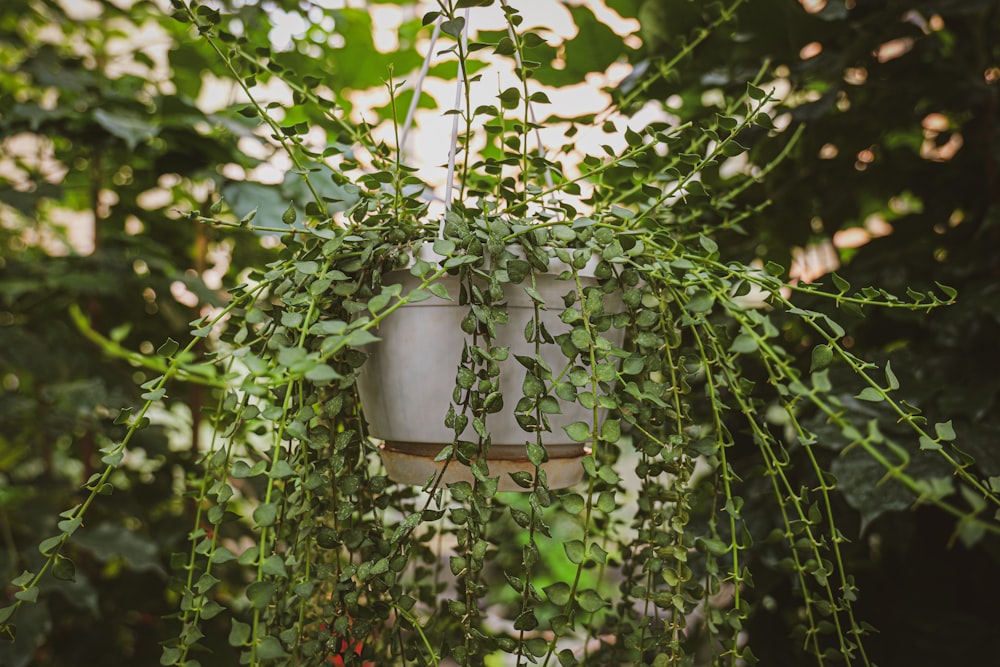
<point>303,552</point>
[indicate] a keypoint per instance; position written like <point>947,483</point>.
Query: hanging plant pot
<point>407,385</point>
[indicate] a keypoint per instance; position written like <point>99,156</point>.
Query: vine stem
<point>52,547</point>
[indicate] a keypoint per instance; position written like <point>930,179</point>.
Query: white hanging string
<point>419,87</point>
<point>453,150</point>
<point>459,87</point>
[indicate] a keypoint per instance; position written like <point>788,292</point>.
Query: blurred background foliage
<point>111,123</point>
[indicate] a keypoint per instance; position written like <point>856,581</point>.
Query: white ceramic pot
<point>406,385</point>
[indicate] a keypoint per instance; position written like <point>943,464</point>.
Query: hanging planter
<point>408,385</point>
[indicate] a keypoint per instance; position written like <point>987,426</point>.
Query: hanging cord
<point>453,151</point>
<point>419,87</point>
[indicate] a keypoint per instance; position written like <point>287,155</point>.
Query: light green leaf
<point>378,302</point>
<point>439,290</point>
<point>890,377</point>
<point>945,431</point>
<point>28,594</point>
<point>929,445</point>
<point>870,394</point>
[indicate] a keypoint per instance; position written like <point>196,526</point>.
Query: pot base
<point>413,463</point>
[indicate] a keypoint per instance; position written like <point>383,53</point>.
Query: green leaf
<point>573,503</point>
<point>69,526</point>
<point>611,430</point>
<point>821,380</point>
<point>950,292</point>
<point>24,578</point>
<point>239,633</point>
<point>822,356</point>
<point>755,93</point>
<point>307,267</point>
<point>580,338</point>
<point>48,545</point>
<point>575,551</point>
<point>701,302</point>
<point>590,600</point>
<point>558,593</point>
<point>536,453</point>
<point>222,555</point>
<point>842,285</point>
<point>453,27</point>
<point>532,387</point>
<point>890,377</point>
<point>743,344</point>
<point>945,431</point>
<point>526,621</point>
<point>322,373</point>
<point>259,593</point>
<point>870,394</point>
<point>155,395</point>
<point>113,459</point>
<point>439,290</point>
<point>281,470</point>
<point>378,302</point>
<point>63,569</point>
<point>710,246</point>
<point>608,474</point>
<point>274,566</point>
<point>248,218</point>
<point>289,216</point>
<point>28,594</point>
<point>123,416</point>
<point>578,431</point>
<point>265,514</point>
<point>168,348</point>
<point>270,649</point>
<point>714,546</point>
<point>510,98</point>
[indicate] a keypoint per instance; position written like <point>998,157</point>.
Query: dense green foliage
<point>900,119</point>
<point>117,130</point>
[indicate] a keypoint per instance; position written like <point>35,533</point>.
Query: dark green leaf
<point>578,431</point>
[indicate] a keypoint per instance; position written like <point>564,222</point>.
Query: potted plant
<point>641,340</point>
<point>424,414</point>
